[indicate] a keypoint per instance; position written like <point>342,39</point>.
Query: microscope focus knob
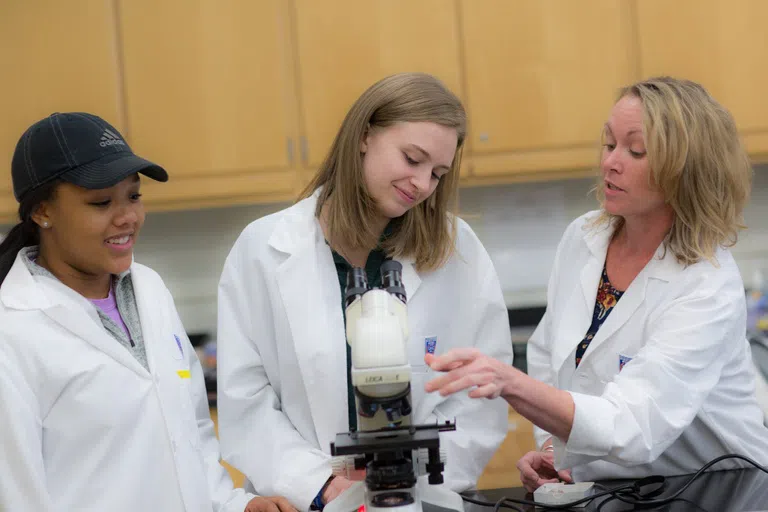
<point>423,458</point>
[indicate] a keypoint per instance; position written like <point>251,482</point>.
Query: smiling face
<point>91,233</point>
<point>629,191</point>
<point>403,164</point>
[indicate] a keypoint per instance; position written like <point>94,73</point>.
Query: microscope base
<point>427,498</point>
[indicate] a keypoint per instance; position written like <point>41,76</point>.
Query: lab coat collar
<point>26,292</point>
<point>663,267</point>
<point>19,289</point>
<point>23,292</point>
<point>299,230</point>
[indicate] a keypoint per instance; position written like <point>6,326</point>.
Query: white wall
<point>519,224</point>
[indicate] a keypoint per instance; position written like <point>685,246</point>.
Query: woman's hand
<point>469,368</point>
<point>538,468</point>
<point>269,504</point>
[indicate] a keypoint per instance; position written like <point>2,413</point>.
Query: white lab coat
<point>686,393</point>
<point>83,425</point>
<point>282,386</point>
<point>761,391</point>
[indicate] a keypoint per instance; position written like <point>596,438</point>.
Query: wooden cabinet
<point>54,56</point>
<point>344,46</point>
<point>541,76</point>
<point>210,95</point>
<point>721,44</point>
<point>240,100</point>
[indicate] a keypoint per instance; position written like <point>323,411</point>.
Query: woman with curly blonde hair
<point>641,363</point>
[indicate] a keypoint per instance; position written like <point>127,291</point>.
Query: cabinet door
<point>541,76</point>
<point>55,57</point>
<point>345,46</point>
<point>719,43</point>
<point>210,93</point>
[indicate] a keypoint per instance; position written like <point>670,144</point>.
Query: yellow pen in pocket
<point>184,374</point>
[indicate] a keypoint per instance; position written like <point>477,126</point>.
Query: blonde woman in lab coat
<point>641,363</point>
<point>102,400</point>
<point>384,190</point>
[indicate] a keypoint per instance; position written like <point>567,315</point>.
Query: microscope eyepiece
<point>392,278</point>
<point>357,285</point>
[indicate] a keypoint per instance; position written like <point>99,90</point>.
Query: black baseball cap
<point>80,148</point>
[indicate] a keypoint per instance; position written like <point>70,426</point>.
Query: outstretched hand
<point>469,368</point>
<point>269,504</point>
<point>538,468</point>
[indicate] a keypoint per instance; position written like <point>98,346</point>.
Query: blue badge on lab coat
<point>623,360</point>
<point>430,344</point>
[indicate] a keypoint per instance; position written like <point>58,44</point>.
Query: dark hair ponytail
<point>25,233</point>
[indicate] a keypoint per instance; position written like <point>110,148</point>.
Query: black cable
<point>507,502</point>
<point>609,500</point>
<point>496,504</point>
<point>629,493</point>
<point>501,503</point>
<point>669,499</point>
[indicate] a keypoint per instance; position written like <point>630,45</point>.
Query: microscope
<point>402,461</point>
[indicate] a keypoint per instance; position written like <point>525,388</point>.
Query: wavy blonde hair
<point>424,233</point>
<point>698,162</point>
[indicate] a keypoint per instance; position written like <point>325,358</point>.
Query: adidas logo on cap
<point>109,138</point>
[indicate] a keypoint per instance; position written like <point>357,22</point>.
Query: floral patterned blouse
<point>607,298</point>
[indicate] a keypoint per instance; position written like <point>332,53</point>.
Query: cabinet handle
<point>289,149</point>
<point>304,150</point>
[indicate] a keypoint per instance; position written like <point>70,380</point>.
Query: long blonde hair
<point>698,162</point>
<point>424,233</point>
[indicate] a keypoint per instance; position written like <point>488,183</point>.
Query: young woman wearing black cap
<point>102,398</point>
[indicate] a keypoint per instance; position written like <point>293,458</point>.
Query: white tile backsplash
<point>519,224</point>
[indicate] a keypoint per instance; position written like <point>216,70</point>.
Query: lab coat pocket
<point>605,369</point>
<point>623,360</point>
<point>178,355</point>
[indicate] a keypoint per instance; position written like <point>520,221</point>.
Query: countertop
<point>716,491</point>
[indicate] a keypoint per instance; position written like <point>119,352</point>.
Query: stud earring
<point>45,224</point>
